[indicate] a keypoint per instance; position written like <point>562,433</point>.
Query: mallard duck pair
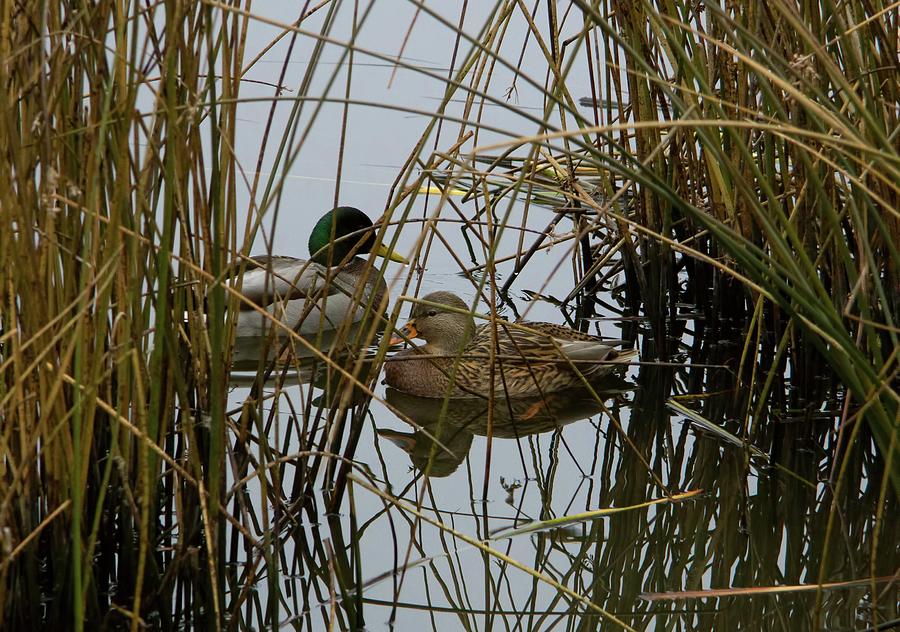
<point>320,294</point>
<point>494,359</point>
<point>458,359</point>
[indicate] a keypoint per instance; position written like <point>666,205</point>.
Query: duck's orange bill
<point>409,330</point>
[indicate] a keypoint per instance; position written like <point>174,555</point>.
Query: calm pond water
<point>762,520</point>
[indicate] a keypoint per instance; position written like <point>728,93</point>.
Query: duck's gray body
<point>305,296</point>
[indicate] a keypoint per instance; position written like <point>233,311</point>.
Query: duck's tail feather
<point>599,353</point>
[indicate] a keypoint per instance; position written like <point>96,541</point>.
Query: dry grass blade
<point>758,591</point>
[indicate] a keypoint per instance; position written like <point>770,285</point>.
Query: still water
<point>761,519</point>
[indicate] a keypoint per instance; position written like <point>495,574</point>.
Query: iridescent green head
<point>338,233</point>
<point>342,231</point>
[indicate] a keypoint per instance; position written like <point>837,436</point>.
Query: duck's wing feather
<point>512,340</point>
<point>536,341</point>
<point>560,332</point>
<point>271,278</point>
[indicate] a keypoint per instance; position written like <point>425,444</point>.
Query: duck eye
<point>432,312</point>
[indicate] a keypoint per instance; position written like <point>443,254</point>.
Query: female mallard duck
<point>530,359</point>
<point>334,286</point>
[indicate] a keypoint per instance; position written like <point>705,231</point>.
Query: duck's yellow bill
<point>409,330</point>
<point>387,253</point>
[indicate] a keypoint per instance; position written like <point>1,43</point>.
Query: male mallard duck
<point>530,359</point>
<point>320,294</point>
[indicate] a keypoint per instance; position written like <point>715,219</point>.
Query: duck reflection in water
<point>252,353</point>
<point>335,389</point>
<point>446,429</point>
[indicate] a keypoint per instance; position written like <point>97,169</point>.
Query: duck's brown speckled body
<point>494,359</point>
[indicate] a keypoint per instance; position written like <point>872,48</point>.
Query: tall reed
<point>118,218</point>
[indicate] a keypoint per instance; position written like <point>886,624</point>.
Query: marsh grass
<point>730,189</point>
